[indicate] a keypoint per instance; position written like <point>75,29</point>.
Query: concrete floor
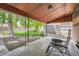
<point>38,48</point>
<point>3,50</point>
<point>15,42</point>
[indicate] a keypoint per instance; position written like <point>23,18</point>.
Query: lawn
<point>22,33</point>
<point>31,33</point>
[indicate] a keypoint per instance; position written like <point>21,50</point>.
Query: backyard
<point>16,30</point>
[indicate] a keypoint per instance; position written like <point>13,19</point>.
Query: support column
<point>75,27</point>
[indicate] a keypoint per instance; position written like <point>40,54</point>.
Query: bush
<point>5,33</point>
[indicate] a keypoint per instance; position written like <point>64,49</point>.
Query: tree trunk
<point>10,24</point>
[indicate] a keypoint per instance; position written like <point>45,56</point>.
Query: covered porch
<point>47,14</point>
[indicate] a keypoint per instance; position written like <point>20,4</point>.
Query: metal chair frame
<point>57,46</point>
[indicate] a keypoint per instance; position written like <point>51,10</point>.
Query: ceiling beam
<point>52,16</point>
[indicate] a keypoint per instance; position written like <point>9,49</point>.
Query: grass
<point>31,33</point>
<point>22,33</point>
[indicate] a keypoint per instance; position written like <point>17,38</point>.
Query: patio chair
<point>56,44</point>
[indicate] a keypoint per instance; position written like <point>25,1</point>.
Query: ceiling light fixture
<point>50,7</point>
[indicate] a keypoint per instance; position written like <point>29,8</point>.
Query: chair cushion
<point>56,40</point>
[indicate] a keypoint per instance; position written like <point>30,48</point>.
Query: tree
<point>36,24</point>
<point>3,17</point>
<point>12,20</point>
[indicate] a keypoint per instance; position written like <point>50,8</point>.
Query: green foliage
<point>5,33</point>
<point>13,19</point>
<point>3,17</point>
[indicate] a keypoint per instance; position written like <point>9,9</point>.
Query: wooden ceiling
<point>58,12</point>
